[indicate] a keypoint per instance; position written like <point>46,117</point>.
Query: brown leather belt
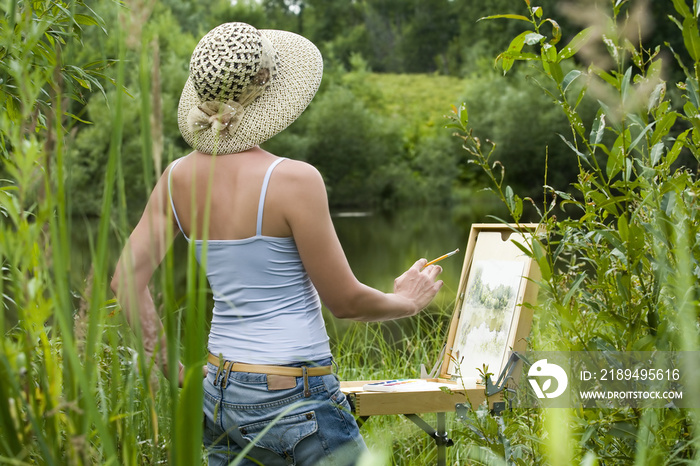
<point>311,371</point>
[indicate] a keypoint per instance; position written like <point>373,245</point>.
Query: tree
<point>424,39</point>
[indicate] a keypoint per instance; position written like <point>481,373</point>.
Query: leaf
<point>576,44</point>
<point>677,146</point>
<point>541,257</point>
<point>663,126</point>
<point>573,288</point>
<point>655,69</point>
<point>646,343</point>
<point>510,57</point>
<point>602,202</point>
<point>556,72</point>
<point>640,136</point>
<point>523,56</point>
<point>524,249</point>
<point>623,228</point>
<point>463,115</point>
<point>571,146</point>
<point>656,153</point>
<point>84,19</point>
<point>678,24</point>
<point>691,37</point>
<point>514,202</point>
<point>556,31</point>
<point>514,49</point>
<point>623,430</point>
<point>626,84</point>
<point>690,110</point>
<point>617,156</point>
<point>692,91</point>
<point>570,77</point>
<point>598,129</point>
<point>75,117</point>
<point>575,120</point>
<point>682,8</point>
<point>533,38</point>
<point>507,16</point>
<point>605,76</point>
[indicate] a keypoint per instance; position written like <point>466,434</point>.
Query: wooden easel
<point>489,245</point>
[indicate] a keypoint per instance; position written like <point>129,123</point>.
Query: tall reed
<point>76,391</point>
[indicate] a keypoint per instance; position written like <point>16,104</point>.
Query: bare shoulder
<point>160,193</point>
<point>299,170</point>
<point>298,175</point>
<point>170,171</point>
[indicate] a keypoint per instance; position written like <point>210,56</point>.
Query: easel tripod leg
<point>441,445</point>
<point>442,441</point>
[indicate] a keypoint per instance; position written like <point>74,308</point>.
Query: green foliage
<point>377,138</point>
<point>620,271</point>
<point>156,71</point>
<point>87,158</point>
<point>500,110</point>
<point>350,144</point>
<point>619,259</point>
<point>34,42</point>
<point>74,391</point>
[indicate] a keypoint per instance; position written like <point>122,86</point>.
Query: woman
<point>263,232</point>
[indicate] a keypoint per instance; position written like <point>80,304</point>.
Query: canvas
<point>486,318</point>
<point>490,320</point>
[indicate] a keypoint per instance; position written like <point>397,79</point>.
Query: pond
<point>382,245</point>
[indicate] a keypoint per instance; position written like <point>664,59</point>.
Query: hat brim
<point>300,69</point>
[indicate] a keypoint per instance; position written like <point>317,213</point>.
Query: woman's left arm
<point>142,254</point>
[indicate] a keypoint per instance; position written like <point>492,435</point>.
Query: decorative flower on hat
<point>218,116</point>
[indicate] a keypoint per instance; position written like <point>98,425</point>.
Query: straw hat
<point>245,86</point>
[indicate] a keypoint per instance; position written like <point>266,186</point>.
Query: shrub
<point>620,268</point>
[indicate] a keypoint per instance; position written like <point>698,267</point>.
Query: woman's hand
<point>418,284</point>
<point>181,374</point>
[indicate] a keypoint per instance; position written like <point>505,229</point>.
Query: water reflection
<point>380,246</point>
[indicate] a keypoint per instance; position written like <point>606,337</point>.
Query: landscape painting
<point>486,317</point>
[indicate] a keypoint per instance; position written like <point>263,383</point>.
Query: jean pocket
<point>283,434</point>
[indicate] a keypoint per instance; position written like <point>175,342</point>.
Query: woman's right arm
<point>308,216</point>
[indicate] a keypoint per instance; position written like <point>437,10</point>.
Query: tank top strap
<point>170,196</point>
<point>263,192</point>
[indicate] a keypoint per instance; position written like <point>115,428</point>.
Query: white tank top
<point>266,310</point>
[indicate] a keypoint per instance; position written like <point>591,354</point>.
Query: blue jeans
<point>314,430</point>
